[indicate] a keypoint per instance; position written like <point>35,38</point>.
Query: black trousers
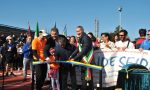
<point>64,71</point>
<point>84,82</point>
<point>41,71</point>
<point>20,61</point>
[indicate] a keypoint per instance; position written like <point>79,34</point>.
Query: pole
<point>3,74</point>
<point>120,20</point>
<point>95,22</point>
<point>33,77</point>
<point>120,17</point>
<point>97,28</point>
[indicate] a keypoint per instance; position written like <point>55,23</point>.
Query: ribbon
<point>71,62</point>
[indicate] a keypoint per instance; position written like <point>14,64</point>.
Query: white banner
<point>114,61</point>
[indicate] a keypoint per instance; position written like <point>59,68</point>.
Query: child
<point>63,49</point>
<point>53,72</point>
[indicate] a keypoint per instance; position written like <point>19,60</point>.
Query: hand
<point>121,48</point>
<point>141,49</point>
<point>107,45</point>
<point>71,59</point>
<point>9,49</point>
<point>42,61</point>
<point>47,60</point>
<point>124,48</point>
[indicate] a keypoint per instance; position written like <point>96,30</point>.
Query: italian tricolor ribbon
<point>87,59</point>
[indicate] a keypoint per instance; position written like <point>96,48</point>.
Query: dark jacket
<point>49,44</point>
<point>12,53</point>
<point>86,43</point>
<point>63,54</point>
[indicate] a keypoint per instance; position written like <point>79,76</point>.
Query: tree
<point>116,32</point>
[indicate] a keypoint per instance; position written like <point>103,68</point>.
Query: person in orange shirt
<point>38,45</point>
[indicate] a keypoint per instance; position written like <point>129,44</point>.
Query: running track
<point>16,82</point>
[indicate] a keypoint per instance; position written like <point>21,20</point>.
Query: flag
<point>37,30</point>
<point>65,30</point>
<point>55,25</point>
<point>29,30</point>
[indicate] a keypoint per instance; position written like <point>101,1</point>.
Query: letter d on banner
<point>144,62</point>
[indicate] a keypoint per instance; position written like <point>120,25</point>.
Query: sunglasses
<point>148,34</point>
<point>121,35</point>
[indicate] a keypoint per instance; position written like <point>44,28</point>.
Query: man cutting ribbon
<point>84,54</point>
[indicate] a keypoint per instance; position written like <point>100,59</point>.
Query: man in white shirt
<point>124,42</point>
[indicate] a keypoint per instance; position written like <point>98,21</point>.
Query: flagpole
<point>55,25</point>
<point>29,30</point>
<point>120,17</point>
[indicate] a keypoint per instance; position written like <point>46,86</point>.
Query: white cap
<point>43,32</point>
<point>8,37</point>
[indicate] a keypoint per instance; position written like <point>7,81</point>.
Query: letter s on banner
<point>120,60</point>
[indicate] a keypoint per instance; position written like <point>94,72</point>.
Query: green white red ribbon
<point>87,60</point>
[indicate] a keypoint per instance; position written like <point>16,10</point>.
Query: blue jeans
<point>26,62</point>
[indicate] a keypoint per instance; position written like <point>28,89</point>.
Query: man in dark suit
<point>84,53</point>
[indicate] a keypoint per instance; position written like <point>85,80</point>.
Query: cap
<point>8,37</point>
<point>43,32</point>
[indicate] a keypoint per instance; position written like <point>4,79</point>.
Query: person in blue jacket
<point>27,57</point>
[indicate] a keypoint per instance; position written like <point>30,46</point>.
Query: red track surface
<point>16,82</point>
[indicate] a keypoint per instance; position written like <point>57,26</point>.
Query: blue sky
<point>135,14</point>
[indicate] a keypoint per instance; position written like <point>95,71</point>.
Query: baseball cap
<point>43,32</point>
<point>8,37</point>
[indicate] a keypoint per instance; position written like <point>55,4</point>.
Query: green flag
<point>37,30</point>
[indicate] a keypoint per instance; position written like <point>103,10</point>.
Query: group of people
<point>61,49</point>
<point>82,51</point>
<point>121,41</point>
<point>56,47</point>
<point>15,55</point>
